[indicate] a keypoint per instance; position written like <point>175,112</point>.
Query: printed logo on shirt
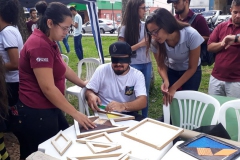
<point>41,59</point>
<point>129,90</point>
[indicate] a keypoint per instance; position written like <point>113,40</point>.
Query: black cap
<point>120,48</point>
<point>172,1</point>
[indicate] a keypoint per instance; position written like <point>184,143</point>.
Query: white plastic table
<point>77,149</point>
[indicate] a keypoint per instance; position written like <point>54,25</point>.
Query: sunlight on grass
<point>155,102</point>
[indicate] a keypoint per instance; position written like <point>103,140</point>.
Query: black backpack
<point>207,58</point>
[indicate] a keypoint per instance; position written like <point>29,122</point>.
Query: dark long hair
<point>166,21</point>
<point>55,11</point>
<point>3,92</point>
<point>131,21</point>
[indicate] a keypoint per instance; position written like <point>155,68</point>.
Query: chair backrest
<point>65,58</point>
<point>192,109</point>
<point>91,64</point>
<point>229,116</point>
<point>84,103</point>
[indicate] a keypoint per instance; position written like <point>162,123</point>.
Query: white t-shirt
<point>111,87</point>
<point>178,57</point>
<point>78,20</point>
<point>141,56</point>
<point>10,37</point>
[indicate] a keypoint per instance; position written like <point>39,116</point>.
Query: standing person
<point>132,32</point>
<point>42,73</point>
<point>225,77</point>
<point>65,42</point>
<point>77,25</point>
<point>184,14</point>
<point>32,23</point>
<point>177,51</point>
<point>11,44</point>
<point>3,111</point>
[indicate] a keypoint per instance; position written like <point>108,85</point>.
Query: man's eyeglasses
<point>154,33</point>
<point>65,29</point>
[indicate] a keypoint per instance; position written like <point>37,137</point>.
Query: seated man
<point>117,85</point>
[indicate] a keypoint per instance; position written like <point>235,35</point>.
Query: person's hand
<point>164,87</point>
<point>227,41</point>
<point>93,102</point>
<point>168,96</point>
<point>143,42</point>
<point>83,120</point>
<point>115,106</point>
<point>85,83</point>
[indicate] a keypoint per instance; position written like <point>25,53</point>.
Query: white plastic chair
<point>84,102</point>
<point>192,109</point>
<point>66,60</point>
<point>91,64</point>
<point>229,116</point>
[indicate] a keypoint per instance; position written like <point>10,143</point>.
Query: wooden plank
<point>123,117</point>
<point>105,148</point>
<point>118,156</point>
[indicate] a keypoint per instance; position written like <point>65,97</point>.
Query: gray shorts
<point>222,88</point>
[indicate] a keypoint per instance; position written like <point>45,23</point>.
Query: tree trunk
<point>124,4</point>
<point>22,24</point>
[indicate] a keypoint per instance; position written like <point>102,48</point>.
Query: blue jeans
<point>192,84</point>
<point>78,46</point>
<point>146,69</point>
<point>65,42</point>
<point>59,46</point>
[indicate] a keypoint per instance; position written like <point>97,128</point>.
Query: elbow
<point>47,90</point>
<point>143,103</point>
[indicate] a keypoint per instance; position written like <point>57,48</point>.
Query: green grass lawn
<point>155,102</point>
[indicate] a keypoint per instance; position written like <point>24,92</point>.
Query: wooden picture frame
<point>116,156</point>
<point>131,157</point>
<point>153,133</point>
<point>109,126</point>
<point>61,150</point>
<point>103,145</point>
<point>117,117</point>
<point>209,148</point>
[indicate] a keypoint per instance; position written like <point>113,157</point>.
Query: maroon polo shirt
<point>39,52</point>
<point>227,66</point>
<point>31,25</point>
<point>199,23</point>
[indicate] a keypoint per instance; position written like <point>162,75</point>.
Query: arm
<point>75,24</point>
<point>215,47</point>
<point>45,80</point>
<point>72,77</point>
<point>136,105</point>
<point>229,40</point>
<point>92,99</point>
<point>135,47</point>
<point>13,57</point>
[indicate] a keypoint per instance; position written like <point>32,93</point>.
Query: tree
<point>124,4</point>
<point>22,27</point>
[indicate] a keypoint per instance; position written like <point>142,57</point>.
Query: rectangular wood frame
<point>61,150</point>
<point>80,134</point>
<point>131,157</point>
<point>118,156</point>
<point>91,138</point>
<point>176,132</point>
<point>123,117</point>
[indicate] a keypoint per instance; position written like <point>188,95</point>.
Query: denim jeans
<point>146,69</point>
<point>65,42</point>
<point>78,46</point>
<point>59,46</point>
<point>192,84</point>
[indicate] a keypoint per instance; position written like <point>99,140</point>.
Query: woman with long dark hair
<point>132,32</point>
<point>177,51</point>
<point>42,74</point>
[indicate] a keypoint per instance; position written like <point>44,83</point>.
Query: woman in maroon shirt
<point>42,74</point>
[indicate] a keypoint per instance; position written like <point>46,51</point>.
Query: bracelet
<point>236,39</point>
<point>125,106</point>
